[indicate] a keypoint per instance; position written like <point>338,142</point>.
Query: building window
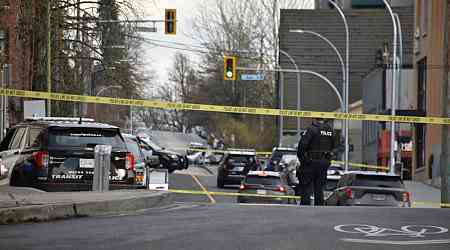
<point>420,145</point>
<point>423,13</point>
<point>367,4</point>
<point>422,84</point>
<point>421,105</point>
<point>3,41</point>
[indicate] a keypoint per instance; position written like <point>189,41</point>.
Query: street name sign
<point>252,77</point>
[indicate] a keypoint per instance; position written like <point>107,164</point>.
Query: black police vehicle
<point>57,154</point>
<point>169,160</point>
<point>235,165</point>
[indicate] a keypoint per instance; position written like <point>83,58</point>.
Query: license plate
<point>86,163</point>
<point>261,191</point>
<point>379,197</point>
<point>238,169</point>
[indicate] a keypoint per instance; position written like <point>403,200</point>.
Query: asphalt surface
<point>233,226</point>
<point>204,181</point>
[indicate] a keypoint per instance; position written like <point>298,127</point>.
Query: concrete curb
<point>37,213</point>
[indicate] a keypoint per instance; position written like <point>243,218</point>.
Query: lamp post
<point>298,85</point>
<point>393,87</point>
<point>103,90</point>
<point>336,91</point>
<point>344,83</point>
<point>399,77</point>
<point>347,77</point>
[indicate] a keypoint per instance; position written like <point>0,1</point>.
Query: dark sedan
<point>360,188</point>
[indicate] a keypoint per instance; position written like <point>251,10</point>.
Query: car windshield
<point>279,153</point>
<point>153,145</point>
<point>331,185</point>
<point>133,147</point>
<point>241,159</point>
<point>378,181</point>
<point>85,137</point>
<point>338,168</point>
<point>263,180</point>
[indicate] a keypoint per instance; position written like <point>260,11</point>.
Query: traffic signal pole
<point>444,161</point>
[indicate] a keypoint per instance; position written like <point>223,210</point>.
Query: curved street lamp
<point>394,83</point>
<point>347,77</point>
<point>336,91</point>
<point>344,86</point>
<point>298,84</point>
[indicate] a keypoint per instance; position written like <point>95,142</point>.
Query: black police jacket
<point>318,140</point>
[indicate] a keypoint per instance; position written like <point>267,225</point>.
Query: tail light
<point>130,162</point>
<point>406,197</point>
<point>281,189</point>
<point>41,158</point>
<point>242,187</point>
<point>349,193</point>
<point>139,177</point>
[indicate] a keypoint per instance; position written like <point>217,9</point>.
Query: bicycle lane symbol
<point>416,234</point>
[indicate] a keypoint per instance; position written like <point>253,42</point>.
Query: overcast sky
<point>160,58</point>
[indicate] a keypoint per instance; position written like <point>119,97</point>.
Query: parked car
<point>169,160</point>
<point>285,161</point>
<point>235,165</point>
<point>277,154</point>
<point>358,188</point>
<point>57,154</point>
<point>142,159</point>
<point>265,183</point>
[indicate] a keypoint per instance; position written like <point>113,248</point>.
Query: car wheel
<point>15,179</point>
<point>220,180</point>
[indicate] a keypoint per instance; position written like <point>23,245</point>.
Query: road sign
<point>252,77</point>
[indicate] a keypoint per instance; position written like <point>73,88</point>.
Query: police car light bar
<point>71,119</point>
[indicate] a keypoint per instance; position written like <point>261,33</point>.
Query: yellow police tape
<point>362,166</point>
<point>355,165</point>
<point>220,108</point>
<point>198,192</point>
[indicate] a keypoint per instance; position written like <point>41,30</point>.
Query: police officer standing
<point>314,153</point>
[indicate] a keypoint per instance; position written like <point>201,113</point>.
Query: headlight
<point>173,157</point>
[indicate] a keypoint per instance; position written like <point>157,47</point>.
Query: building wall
<point>347,4</point>
<point>429,23</point>
<point>355,132</point>
<point>372,104</point>
<point>369,30</point>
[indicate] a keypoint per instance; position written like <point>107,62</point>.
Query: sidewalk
<point>26,204</point>
<point>422,195</point>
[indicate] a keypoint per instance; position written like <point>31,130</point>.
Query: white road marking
<point>394,242</point>
<point>375,231</point>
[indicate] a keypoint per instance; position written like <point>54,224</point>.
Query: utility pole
<point>444,164</point>
<point>49,56</point>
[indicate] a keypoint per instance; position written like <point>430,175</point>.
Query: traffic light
<point>229,68</point>
<point>170,22</point>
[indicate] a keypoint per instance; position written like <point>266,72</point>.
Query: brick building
<point>428,59</point>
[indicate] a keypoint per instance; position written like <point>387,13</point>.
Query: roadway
<point>199,179</point>
<point>234,226</point>
<point>217,222</point>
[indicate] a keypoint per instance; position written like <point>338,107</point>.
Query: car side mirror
<point>152,160</point>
